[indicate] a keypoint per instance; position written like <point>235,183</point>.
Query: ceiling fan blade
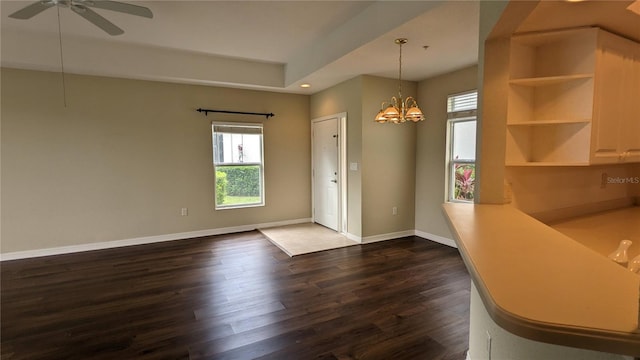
<point>32,10</point>
<point>120,7</point>
<point>97,20</point>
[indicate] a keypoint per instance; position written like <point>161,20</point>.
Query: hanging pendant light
<point>400,110</point>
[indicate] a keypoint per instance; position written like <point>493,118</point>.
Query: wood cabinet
<point>573,99</point>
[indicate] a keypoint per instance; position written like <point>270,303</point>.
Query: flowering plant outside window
<point>465,181</point>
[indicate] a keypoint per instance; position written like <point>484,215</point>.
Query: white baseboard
<point>436,238</point>
<point>389,236</point>
<point>355,238</point>
<point>209,232</point>
<point>142,240</point>
<point>428,236</point>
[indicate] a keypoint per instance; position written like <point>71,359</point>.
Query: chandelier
<point>400,110</point>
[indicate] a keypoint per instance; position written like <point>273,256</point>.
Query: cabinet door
<point>630,126</point>
<point>614,69</point>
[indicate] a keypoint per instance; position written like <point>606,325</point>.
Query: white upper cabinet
<point>616,134</point>
<point>573,99</point>
<point>631,128</point>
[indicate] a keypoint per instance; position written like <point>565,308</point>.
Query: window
<point>461,139</point>
<point>238,165</point>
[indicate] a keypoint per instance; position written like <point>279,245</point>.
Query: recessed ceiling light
<point>634,7</point>
<point>305,85</point>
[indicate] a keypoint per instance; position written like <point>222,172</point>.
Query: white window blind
<point>462,105</point>
<point>237,129</point>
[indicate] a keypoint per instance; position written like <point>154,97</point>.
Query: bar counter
<point>540,284</point>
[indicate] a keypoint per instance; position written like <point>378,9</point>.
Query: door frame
<point>342,169</point>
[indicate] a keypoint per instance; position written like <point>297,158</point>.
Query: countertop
<point>602,232</point>
<point>538,283</point>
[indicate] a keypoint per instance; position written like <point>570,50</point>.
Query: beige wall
<point>124,156</point>
<point>498,20</point>
<point>388,162</point>
<point>431,147</point>
<point>346,97</point>
<point>492,123</point>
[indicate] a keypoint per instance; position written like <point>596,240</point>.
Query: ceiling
<point>276,45</point>
<point>271,45</point>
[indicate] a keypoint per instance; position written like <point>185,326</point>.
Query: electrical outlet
<point>508,192</point>
<point>394,210</point>
<point>184,211</point>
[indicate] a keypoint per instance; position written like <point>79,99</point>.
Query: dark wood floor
<point>238,297</point>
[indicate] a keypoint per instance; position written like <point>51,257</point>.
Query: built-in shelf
<point>570,94</point>
<point>549,80</point>
<point>550,98</point>
<point>549,122</point>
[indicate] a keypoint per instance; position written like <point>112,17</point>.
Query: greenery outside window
<point>461,141</point>
<point>238,164</point>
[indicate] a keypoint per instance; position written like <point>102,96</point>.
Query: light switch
<point>353,166</point>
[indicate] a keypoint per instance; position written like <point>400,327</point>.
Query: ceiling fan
<point>83,8</point>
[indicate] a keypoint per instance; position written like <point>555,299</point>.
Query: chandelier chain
<point>64,85</point>
<point>400,74</point>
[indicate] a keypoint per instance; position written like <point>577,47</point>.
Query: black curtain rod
<point>207,111</point>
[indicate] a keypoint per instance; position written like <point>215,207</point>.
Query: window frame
<point>260,164</point>
<point>453,118</point>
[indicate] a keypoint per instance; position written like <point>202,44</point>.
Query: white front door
<point>326,193</point>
